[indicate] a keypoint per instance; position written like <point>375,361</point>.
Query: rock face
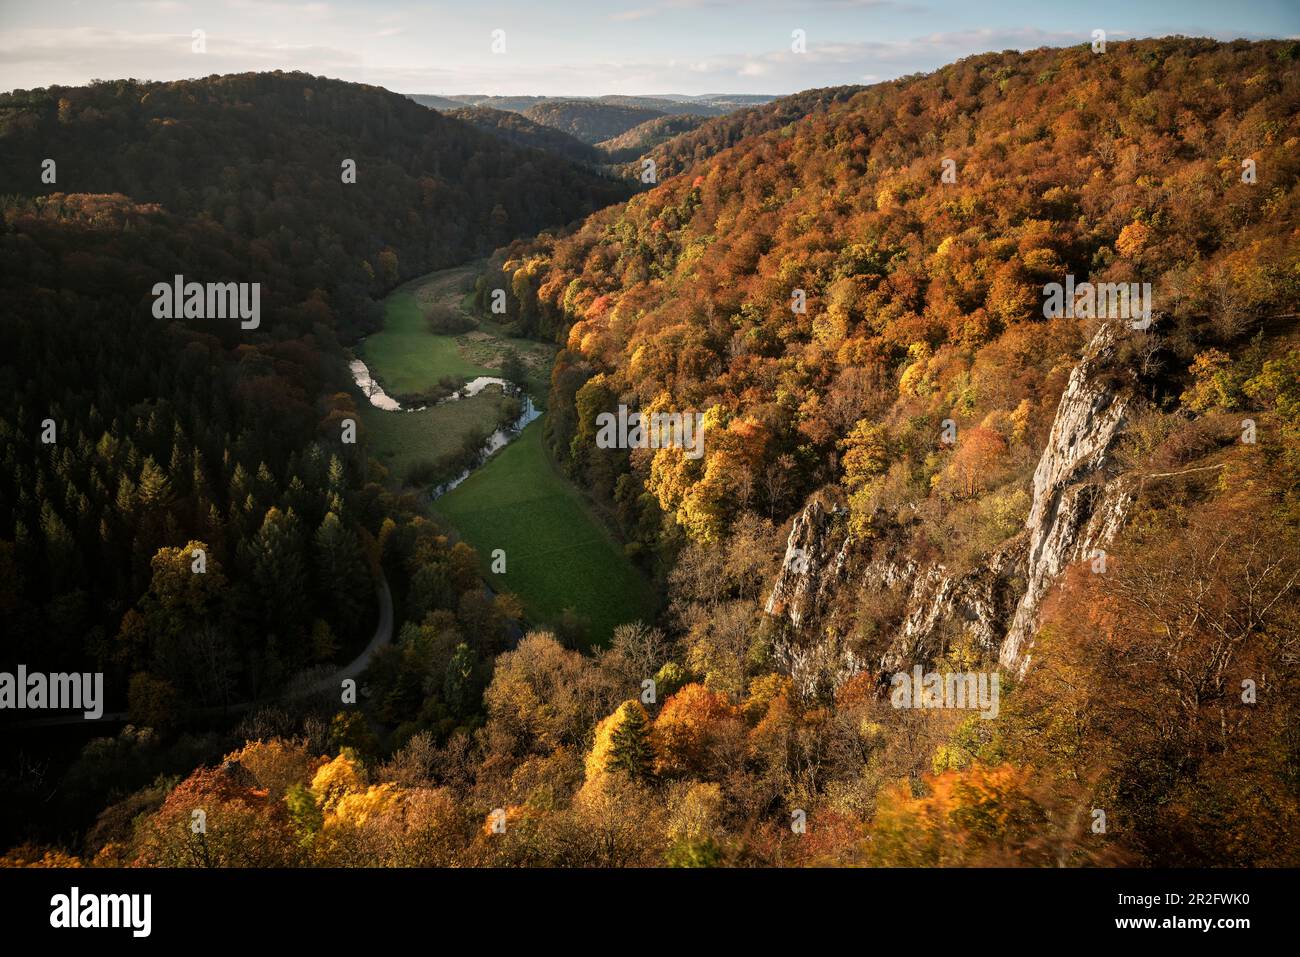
<point>814,564</point>
<point>940,603</point>
<point>809,555</point>
<point>937,604</point>
<point>1078,505</point>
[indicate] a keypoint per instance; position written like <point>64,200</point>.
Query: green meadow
<point>558,555</point>
<point>407,359</point>
<point>403,440</point>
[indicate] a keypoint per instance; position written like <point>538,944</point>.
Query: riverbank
<point>561,561</point>
<point>433,445</point>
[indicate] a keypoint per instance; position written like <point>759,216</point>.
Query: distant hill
<point>458,101</point>
<point>435,102</point>
<point>643,137</point>
<point>520,130</point>
<point>665,105</point>
<point>729,101</point>
<point>679,153</point>
<point>262,154</point>
<point>589,120</point>
<point>711,104</point>
<point>515,104</point>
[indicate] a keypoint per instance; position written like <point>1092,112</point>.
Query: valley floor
<point>559,555</point>
<point>408,359</point>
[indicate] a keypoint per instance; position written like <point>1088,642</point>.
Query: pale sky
<point>577,47</point>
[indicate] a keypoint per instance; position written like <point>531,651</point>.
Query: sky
<point>577,47</point>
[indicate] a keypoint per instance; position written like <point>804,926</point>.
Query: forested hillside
<point>262,154</point>
<point>138,449</point>
<point>680,153</point>
<point>518,129</point>
<point>911,461</point>
<point>917,290</point>
<point>589,120</point>
<point>637,141</point>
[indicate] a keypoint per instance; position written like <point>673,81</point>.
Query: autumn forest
<point>955,580</point>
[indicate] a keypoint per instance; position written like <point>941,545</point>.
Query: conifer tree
<point>341,574</point>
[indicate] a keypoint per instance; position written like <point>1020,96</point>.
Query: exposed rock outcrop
<point>937,603</point>
<point>815,561</point>
<point>809,567</point>
<point>940,602</point>
<point>1079,504</point>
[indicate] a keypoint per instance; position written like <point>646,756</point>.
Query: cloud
<point>282,8</point>
<point>60,56</point>
<point>364,52</point>
<point>769,6</point>
<point>155,6</point>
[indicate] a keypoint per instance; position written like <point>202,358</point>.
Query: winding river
<point>496,441</point>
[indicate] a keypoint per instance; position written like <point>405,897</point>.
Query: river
<point>499,439</point>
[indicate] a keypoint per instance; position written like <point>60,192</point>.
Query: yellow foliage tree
<point>866,453</point>
<point>357,807</point>
<point>335,780</point>
<point>1133,238</point>
<point>982,815</point>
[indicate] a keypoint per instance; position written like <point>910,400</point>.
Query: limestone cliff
<point>1078,504</point>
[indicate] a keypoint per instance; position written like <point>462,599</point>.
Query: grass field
<point>400,440</point>
<point>407,359</point>
<point>558,555</point>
